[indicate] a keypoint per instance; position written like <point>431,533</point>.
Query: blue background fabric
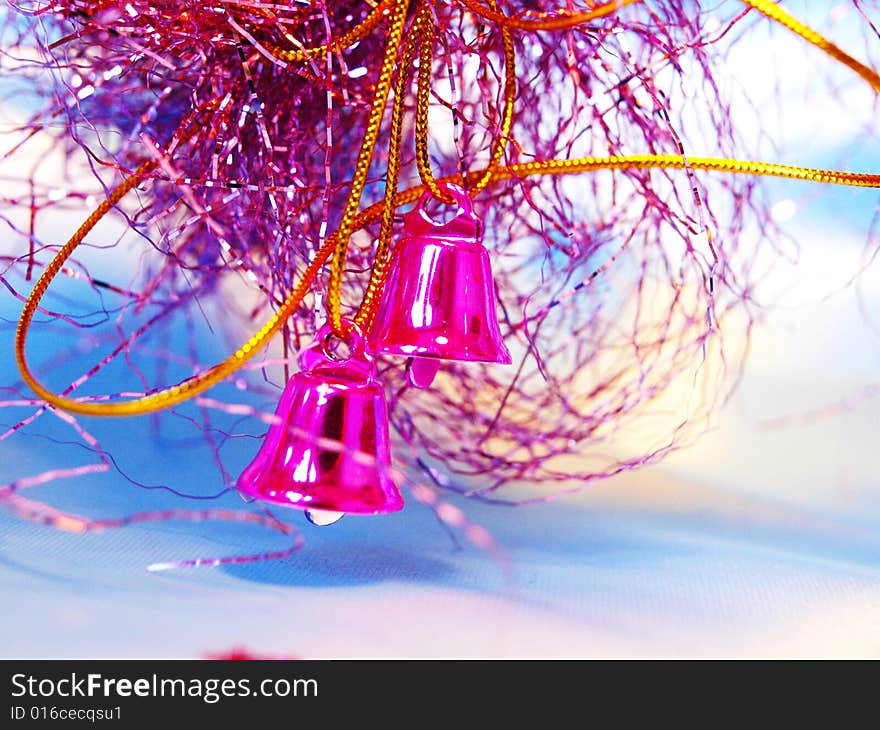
<point>762,539</point>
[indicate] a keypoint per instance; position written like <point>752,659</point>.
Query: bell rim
<point>389,508</point>
<point>503,358</point>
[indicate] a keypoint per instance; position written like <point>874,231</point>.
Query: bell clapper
<point>420,371</point>
<point>323,517</point>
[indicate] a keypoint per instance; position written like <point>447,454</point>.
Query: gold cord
<point>346,40</point>
<point>362,166</point>
<point>557,22</point>
<point>336,245</point>
<point>774,12</point>
<point>507,115</point>
<point>379,269</point>
<point>423,100</point>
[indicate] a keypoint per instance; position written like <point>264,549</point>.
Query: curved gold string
<point>378,271</point>
<point>562,21</point>
<point>776,13</point>
<point>507,116</point>
<point>423,102</point>
<point>346,40</point>
<point>423,98</point>
<point>210,377</point>
<point>767,7</point>
<point>362,165</point>
<point>187,389</point>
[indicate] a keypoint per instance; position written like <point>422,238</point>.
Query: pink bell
<point>329,447</point>
<point>439,299</point>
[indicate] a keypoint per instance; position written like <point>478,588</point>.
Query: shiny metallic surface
<point>439,300</point>
<point>328,448</point>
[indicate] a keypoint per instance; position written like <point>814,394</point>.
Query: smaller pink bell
<point>328,451</point>
<point>439,299</point>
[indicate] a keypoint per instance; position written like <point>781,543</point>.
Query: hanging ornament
<point>439,300</point>
<point>269,126</point>
<point>327,452</point>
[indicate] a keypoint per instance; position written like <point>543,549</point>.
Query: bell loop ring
<point>464,224</point>
<point>320,357</point>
